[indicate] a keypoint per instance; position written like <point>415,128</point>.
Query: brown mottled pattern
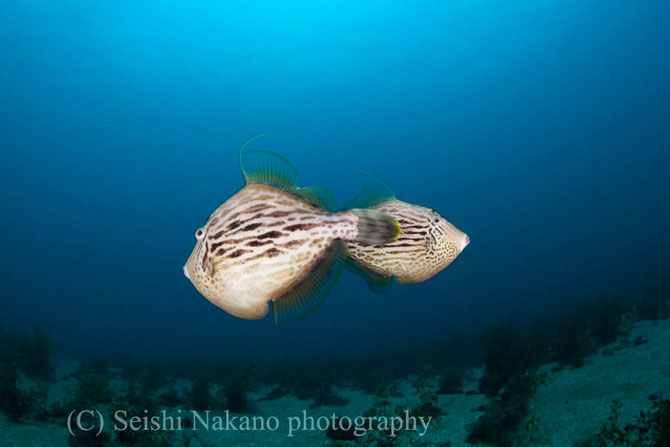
<point>255,255</point>
<point>427,244</point>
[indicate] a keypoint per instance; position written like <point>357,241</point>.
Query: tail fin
<point>376,228</point>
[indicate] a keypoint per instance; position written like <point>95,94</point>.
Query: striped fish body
<point>427,244</point>
<point>260,244</point>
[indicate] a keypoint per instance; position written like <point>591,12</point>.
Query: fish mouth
<point>186,273</point>
<point>466,240</point>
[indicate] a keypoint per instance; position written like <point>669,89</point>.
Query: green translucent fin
<point>318,195</point>
<point>377,282</point>
<point>372,195</point>
<point>259,166</point>
<point>268,167</point>
<point>305,298</point>
<point>372,177</point>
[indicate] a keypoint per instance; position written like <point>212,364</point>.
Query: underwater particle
<point>248,254</point>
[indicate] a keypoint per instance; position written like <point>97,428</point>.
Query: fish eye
<point>200,234</point>
<point>437,220</point>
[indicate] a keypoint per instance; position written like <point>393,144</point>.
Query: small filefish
<point>275,242</point>
<point>427,243</point>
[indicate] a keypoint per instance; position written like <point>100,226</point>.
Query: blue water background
<point>540,128</point>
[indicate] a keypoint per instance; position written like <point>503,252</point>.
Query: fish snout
<point>186,272</point>
<point>466,240</point>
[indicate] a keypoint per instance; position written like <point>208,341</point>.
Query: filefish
<point>275,242</point>
<point>428,243</point>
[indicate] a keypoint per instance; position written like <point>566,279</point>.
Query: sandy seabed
<point>572,406</point>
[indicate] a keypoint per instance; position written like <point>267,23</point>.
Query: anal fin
<point>306,297</point>
<point>377,282</point>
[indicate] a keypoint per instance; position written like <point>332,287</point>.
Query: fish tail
<point>376,228</point>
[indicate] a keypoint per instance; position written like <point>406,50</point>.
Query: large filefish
<point>427,243</point>
<point>273,241</point>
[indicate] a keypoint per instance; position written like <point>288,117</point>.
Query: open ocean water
<point>539,128</point>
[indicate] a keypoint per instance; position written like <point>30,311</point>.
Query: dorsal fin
<point>377,282</point>
<point>372,195</point>
<point>318,195</point>
<point>260,166</point>
<point>305,298</point>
